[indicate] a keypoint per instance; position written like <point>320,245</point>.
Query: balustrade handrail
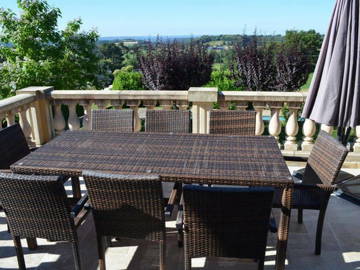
<point>120,95</point>
<point>253,96</point>
<point>13,103</point>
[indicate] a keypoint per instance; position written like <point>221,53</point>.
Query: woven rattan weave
<point>322,168</point>
<point>232,122</point>
<point>112,120</point>
<point>176,121</point>
<point>127,206</point>
<point>215,159</point>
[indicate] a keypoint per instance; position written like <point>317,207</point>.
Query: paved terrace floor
<point>341,247</point>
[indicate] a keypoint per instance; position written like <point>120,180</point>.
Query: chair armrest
<point>170,205</point>
<point>32,149</point>
<point>6,171</point>
<point>318,187</point>
<point>79,212</point>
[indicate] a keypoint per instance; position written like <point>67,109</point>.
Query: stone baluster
<point>357,142</point>
<point>59,121</point>
<point>24,123</point>
<point>166,104</point>
<point>292,127</point>
<point>182,104</point>
<point>309,129</point>
<point>260,127</point>
<point>326,128</point>
<point>10,118</point>
<point>134,105</point>
<point>275,124</point>
<point>102,104</point>
<point>73,121</point>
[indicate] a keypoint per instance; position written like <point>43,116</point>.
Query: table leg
<point>32,243</point>
<point>283,231</point>
<point>76,187</point>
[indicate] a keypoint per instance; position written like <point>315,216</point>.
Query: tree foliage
<point>254,66</point>
<point>224,80</point>
<point>292,68</point>
<point>308,42</point>
<point>113,54</point>
<point>127,79</point>
<point>173,65</point>
<point>36,52</point>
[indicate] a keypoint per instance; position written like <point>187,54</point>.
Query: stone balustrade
<point>40,112</point>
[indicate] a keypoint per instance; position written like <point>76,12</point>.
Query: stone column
<point>134,105</point>
<point>292,127</point>
<point>87,114</point>
<point>309,129</point>
<point>275,124</point>
<point>260,127</point>
<point>202,101</point>
<point>41,113</point>
<point>166,104</point>
<point>182,105</point>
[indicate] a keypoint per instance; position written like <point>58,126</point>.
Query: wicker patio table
<point>186,158</point>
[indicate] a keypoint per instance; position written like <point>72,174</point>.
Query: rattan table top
<point>189,158</point>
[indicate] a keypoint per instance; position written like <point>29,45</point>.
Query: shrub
<point>254,66</point>
<point>224,80</point>
<point>127,79</point>
<point>172,65</point>
<point>292,69</point>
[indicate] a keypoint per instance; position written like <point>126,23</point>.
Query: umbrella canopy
<point>334,95</point>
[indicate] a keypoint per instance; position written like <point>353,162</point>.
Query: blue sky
<point>193,17</point>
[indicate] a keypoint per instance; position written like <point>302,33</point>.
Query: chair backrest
<point>112,120</point>
<point>175,121</point>
<point>232,122</point>
<point>325,160</point>
<point>13,145</point>
<point>129,206</point>
<point>226,222</point>
<point>35,206</point>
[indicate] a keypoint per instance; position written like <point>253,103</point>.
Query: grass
<point>306,86</point>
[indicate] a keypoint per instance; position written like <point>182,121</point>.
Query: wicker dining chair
<point>314,190</point>
<point>13,146</point>
<point>225,222</point>
<point>112,120</point>
<point>37,207</point>
<point>232,122</point>
<point>126,206</point>
<point>169,121</point>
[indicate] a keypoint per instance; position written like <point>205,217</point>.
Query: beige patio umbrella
<point>334,94</point>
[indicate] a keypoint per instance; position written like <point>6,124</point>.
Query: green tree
<point>113,55</point>
<point>309,43</point>
<point>127,79</point>
<point>36,52</point>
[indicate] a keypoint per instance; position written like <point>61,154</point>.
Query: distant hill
<point>145,38</point>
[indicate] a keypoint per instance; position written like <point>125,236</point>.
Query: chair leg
<point>261,264</point>
<point>101,251</point>
<point>180,237</point>
<point>162,254</point>
<point>19,252</point>
<point>300,216</point>
<point>319,230</point>
<point>32,243</point>
<point>187,262</point>
<point>76,254</point>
